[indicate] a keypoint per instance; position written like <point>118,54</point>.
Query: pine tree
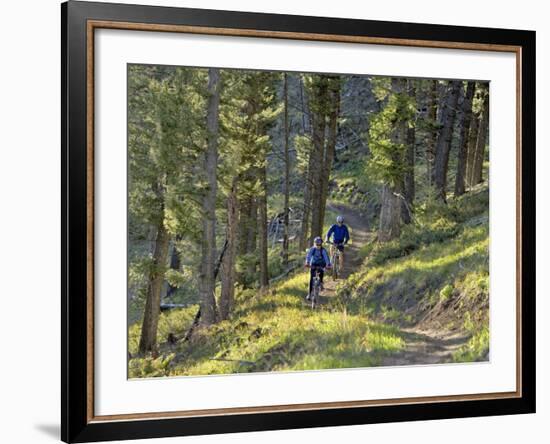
<point>324,106</point>
<point>248,116</point>
<point>160,151</point>
<point>387,141</point>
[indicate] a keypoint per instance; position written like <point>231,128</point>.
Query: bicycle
<point>336,259</point>
<point>316,288</point>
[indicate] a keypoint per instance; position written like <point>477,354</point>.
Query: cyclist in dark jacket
<point>340,236</point>
<point>317,259</point>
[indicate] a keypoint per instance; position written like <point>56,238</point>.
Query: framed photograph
<point>275,221</point>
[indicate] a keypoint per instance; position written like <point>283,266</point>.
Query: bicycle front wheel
<point>315,297</point>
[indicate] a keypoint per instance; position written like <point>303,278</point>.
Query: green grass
<point>169,322</point>
<point>275,332</point>
<point>476,349</point>
<point>438,267</point>
<point>428,271</point>
<point>432,274</point>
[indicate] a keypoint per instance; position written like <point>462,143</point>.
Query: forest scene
<point>284,221</point>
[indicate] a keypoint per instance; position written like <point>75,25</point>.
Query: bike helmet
<point>318,241</point>
<point>340,219</point>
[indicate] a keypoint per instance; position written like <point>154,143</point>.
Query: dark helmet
<point>318,241</point>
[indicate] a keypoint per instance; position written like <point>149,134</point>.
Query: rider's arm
<point>308,256</point>
<point>329,233</point>
<point>346,234</point>
<point>326,257</point>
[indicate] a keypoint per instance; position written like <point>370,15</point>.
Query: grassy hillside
<point>434,278</point>
<point>274,332</point>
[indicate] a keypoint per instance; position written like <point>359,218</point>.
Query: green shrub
<point>446,292</point>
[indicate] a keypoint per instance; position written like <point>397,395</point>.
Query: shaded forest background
<point>232,173</point>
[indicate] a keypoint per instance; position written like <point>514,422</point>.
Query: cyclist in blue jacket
<point>340,236</point>
<point>316,259</point>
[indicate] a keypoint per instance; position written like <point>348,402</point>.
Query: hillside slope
<point>433,282</point>
<point>420,300</point>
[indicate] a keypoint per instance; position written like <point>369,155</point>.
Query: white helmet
<point>340,219</point>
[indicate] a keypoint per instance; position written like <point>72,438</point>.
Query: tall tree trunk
<point>471,152</point>
<point>262,232</point>
<point>333,99</point>
<point>308,185</point>
<point>410,153</point>
<point>432,136</point>
<point>286,191</point>
<point>390,215</point>
<point>306,212</point>
<point>228,261</point>
<point>318,153</point>
<point>460,187</point>
<point>392,194</point>
<point>481,139</point>
<point>444,138</point>
<point>305,108</point>
<point>208,250</point>
<point>148,340</point>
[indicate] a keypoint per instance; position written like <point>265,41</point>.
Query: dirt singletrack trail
<point>423,346</point>
<point>359,234</point>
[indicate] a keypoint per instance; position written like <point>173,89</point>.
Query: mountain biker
<point>340,236</point>
<point>317,259</point>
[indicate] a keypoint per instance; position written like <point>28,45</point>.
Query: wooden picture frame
<point>79,22</point>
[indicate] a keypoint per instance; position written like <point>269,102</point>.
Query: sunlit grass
<point>278,331</point>
<point>435,262</point>
<point>477,348</point>
<point>169,322</point>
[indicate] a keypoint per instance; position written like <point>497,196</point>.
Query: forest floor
<point>426,306</point>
